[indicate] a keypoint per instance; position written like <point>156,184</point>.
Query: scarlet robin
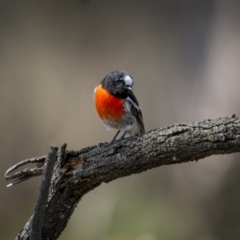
<point>117,106</point>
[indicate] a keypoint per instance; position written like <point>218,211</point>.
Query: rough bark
<point>78,172</point>
<point>38,217</point>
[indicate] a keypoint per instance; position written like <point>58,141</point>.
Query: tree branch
<point>78,172</point>
<point>38,217</point>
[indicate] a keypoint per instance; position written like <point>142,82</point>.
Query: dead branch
<point>78,172</point>
<point>38,217</point>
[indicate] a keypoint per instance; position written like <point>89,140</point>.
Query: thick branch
<point>84,170</point>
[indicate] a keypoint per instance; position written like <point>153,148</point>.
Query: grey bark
<point>78,172</point>
<point>38,217</point>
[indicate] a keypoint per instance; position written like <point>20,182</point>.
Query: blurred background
<point>184,57</point>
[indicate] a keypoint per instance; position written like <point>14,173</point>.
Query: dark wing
<point>135,110</point>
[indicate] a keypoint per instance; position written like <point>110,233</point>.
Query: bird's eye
<point>119,81</point>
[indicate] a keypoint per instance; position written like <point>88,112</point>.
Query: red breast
<point>108,106</point>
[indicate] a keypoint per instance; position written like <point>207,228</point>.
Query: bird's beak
<point>129,87</point>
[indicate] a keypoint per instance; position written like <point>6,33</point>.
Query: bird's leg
<point>116,135</point>
<point>123,135</point>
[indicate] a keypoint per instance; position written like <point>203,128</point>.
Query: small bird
<point>117,106</point>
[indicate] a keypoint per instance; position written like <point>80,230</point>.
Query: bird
<point>117,106</point>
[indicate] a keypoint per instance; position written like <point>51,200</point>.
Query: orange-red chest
<point>108,106</point>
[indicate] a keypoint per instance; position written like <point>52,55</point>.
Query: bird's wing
<point>135,110</point>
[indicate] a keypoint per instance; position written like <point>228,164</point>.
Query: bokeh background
<point>185,60</point>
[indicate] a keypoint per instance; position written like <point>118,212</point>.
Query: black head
<point>118,83</point>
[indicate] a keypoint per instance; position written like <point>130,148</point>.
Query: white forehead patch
<point>128,80</point>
